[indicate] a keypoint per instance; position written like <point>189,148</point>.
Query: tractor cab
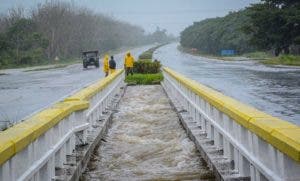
<point>90,58</point>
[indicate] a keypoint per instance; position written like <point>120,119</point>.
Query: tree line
<point>60,29</point>
<point>271,25</point>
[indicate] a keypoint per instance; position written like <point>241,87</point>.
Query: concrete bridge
<point>236,141</point>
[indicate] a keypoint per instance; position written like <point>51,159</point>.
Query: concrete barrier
<point>35,148</point>
<point>253,144</point>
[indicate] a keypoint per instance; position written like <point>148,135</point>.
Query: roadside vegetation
<point>210,36</point>
<point>202,54</point>
<point>284,60</point>
<point>269,59</point>
<point>144,79</point>
<point>45,65</point>
<point>59,30</point>
<point>149,53</point>
<point>262,31</point>
<point>147,66</point>
<point>146,71</point>
<point>258,55</point>
<point>52,66</point>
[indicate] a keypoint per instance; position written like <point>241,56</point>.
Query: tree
<point>61,29</point>
<point>212,35</point>
<point>24,41</point>
<point>274,24</point>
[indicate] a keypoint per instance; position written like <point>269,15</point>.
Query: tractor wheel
<point>85,65</point>
<point>97,64</point>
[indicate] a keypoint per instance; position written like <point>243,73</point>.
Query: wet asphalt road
<point>23,93</point>
<point>275,90</point>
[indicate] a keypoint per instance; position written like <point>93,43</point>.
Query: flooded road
<point>275,90</point>
<point>146,142</point>
<point>22,93</point>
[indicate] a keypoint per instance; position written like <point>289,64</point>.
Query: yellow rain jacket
<point>105,63</point>
<point>129,60</point>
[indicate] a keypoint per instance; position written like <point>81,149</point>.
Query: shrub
<point>284,60</point>
<point>146,67</point>
<point>5,60</point>
<point>32,57</point>
<point>146,55</point>
<point>258,55</point>
<point>144,79</point>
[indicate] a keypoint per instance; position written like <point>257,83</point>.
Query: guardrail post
<point>226,148</point>
<point>5,171</point>
<point>50,168</point>
<point>80,118</point>
<point>236,158</point>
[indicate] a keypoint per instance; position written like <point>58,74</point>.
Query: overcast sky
<point>172,15</point>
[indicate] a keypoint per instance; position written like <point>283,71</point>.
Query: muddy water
<point>146,142</point>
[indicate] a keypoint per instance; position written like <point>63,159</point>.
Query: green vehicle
<point>90,58</point>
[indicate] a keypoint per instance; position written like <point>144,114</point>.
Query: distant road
<point>22,93</point>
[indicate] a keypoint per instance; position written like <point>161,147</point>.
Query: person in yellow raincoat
<point>105,65</point>
<point>128,63</point>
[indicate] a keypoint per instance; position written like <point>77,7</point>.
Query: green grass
<point>144,79</point>
<point>267,58</point>
<point>293,60</point>
<point>258,55</point>
<point>149,53</point>
<point>48,68</point>
<point>202,54</point>
<point>62,62</point>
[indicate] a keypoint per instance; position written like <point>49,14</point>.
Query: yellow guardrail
<point>283,135</point>
<point>90,91</point>
<point>14,139</point>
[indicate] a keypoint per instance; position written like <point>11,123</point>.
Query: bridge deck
<point>146,142</point>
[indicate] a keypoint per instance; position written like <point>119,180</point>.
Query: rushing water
<point>275,90</point>
<point>146,142</point>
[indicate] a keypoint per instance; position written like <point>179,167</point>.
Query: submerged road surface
<point>146,142</point>
<point>275,90</point>
<point>22,93</point>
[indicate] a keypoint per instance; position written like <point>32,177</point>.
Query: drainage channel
<point>146,142</point>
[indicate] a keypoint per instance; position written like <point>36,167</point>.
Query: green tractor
<point>90,58</point>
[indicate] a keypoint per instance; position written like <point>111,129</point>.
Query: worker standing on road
<point>112,65</point>
<point>105,65</point>
<point>128,63</point>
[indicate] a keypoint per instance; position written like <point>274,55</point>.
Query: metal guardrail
<point>261,147</point>
<point>32,149</point>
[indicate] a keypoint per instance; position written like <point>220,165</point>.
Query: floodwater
<point>25,92</point>
<point>146,142</point>
<point>275,90</point>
